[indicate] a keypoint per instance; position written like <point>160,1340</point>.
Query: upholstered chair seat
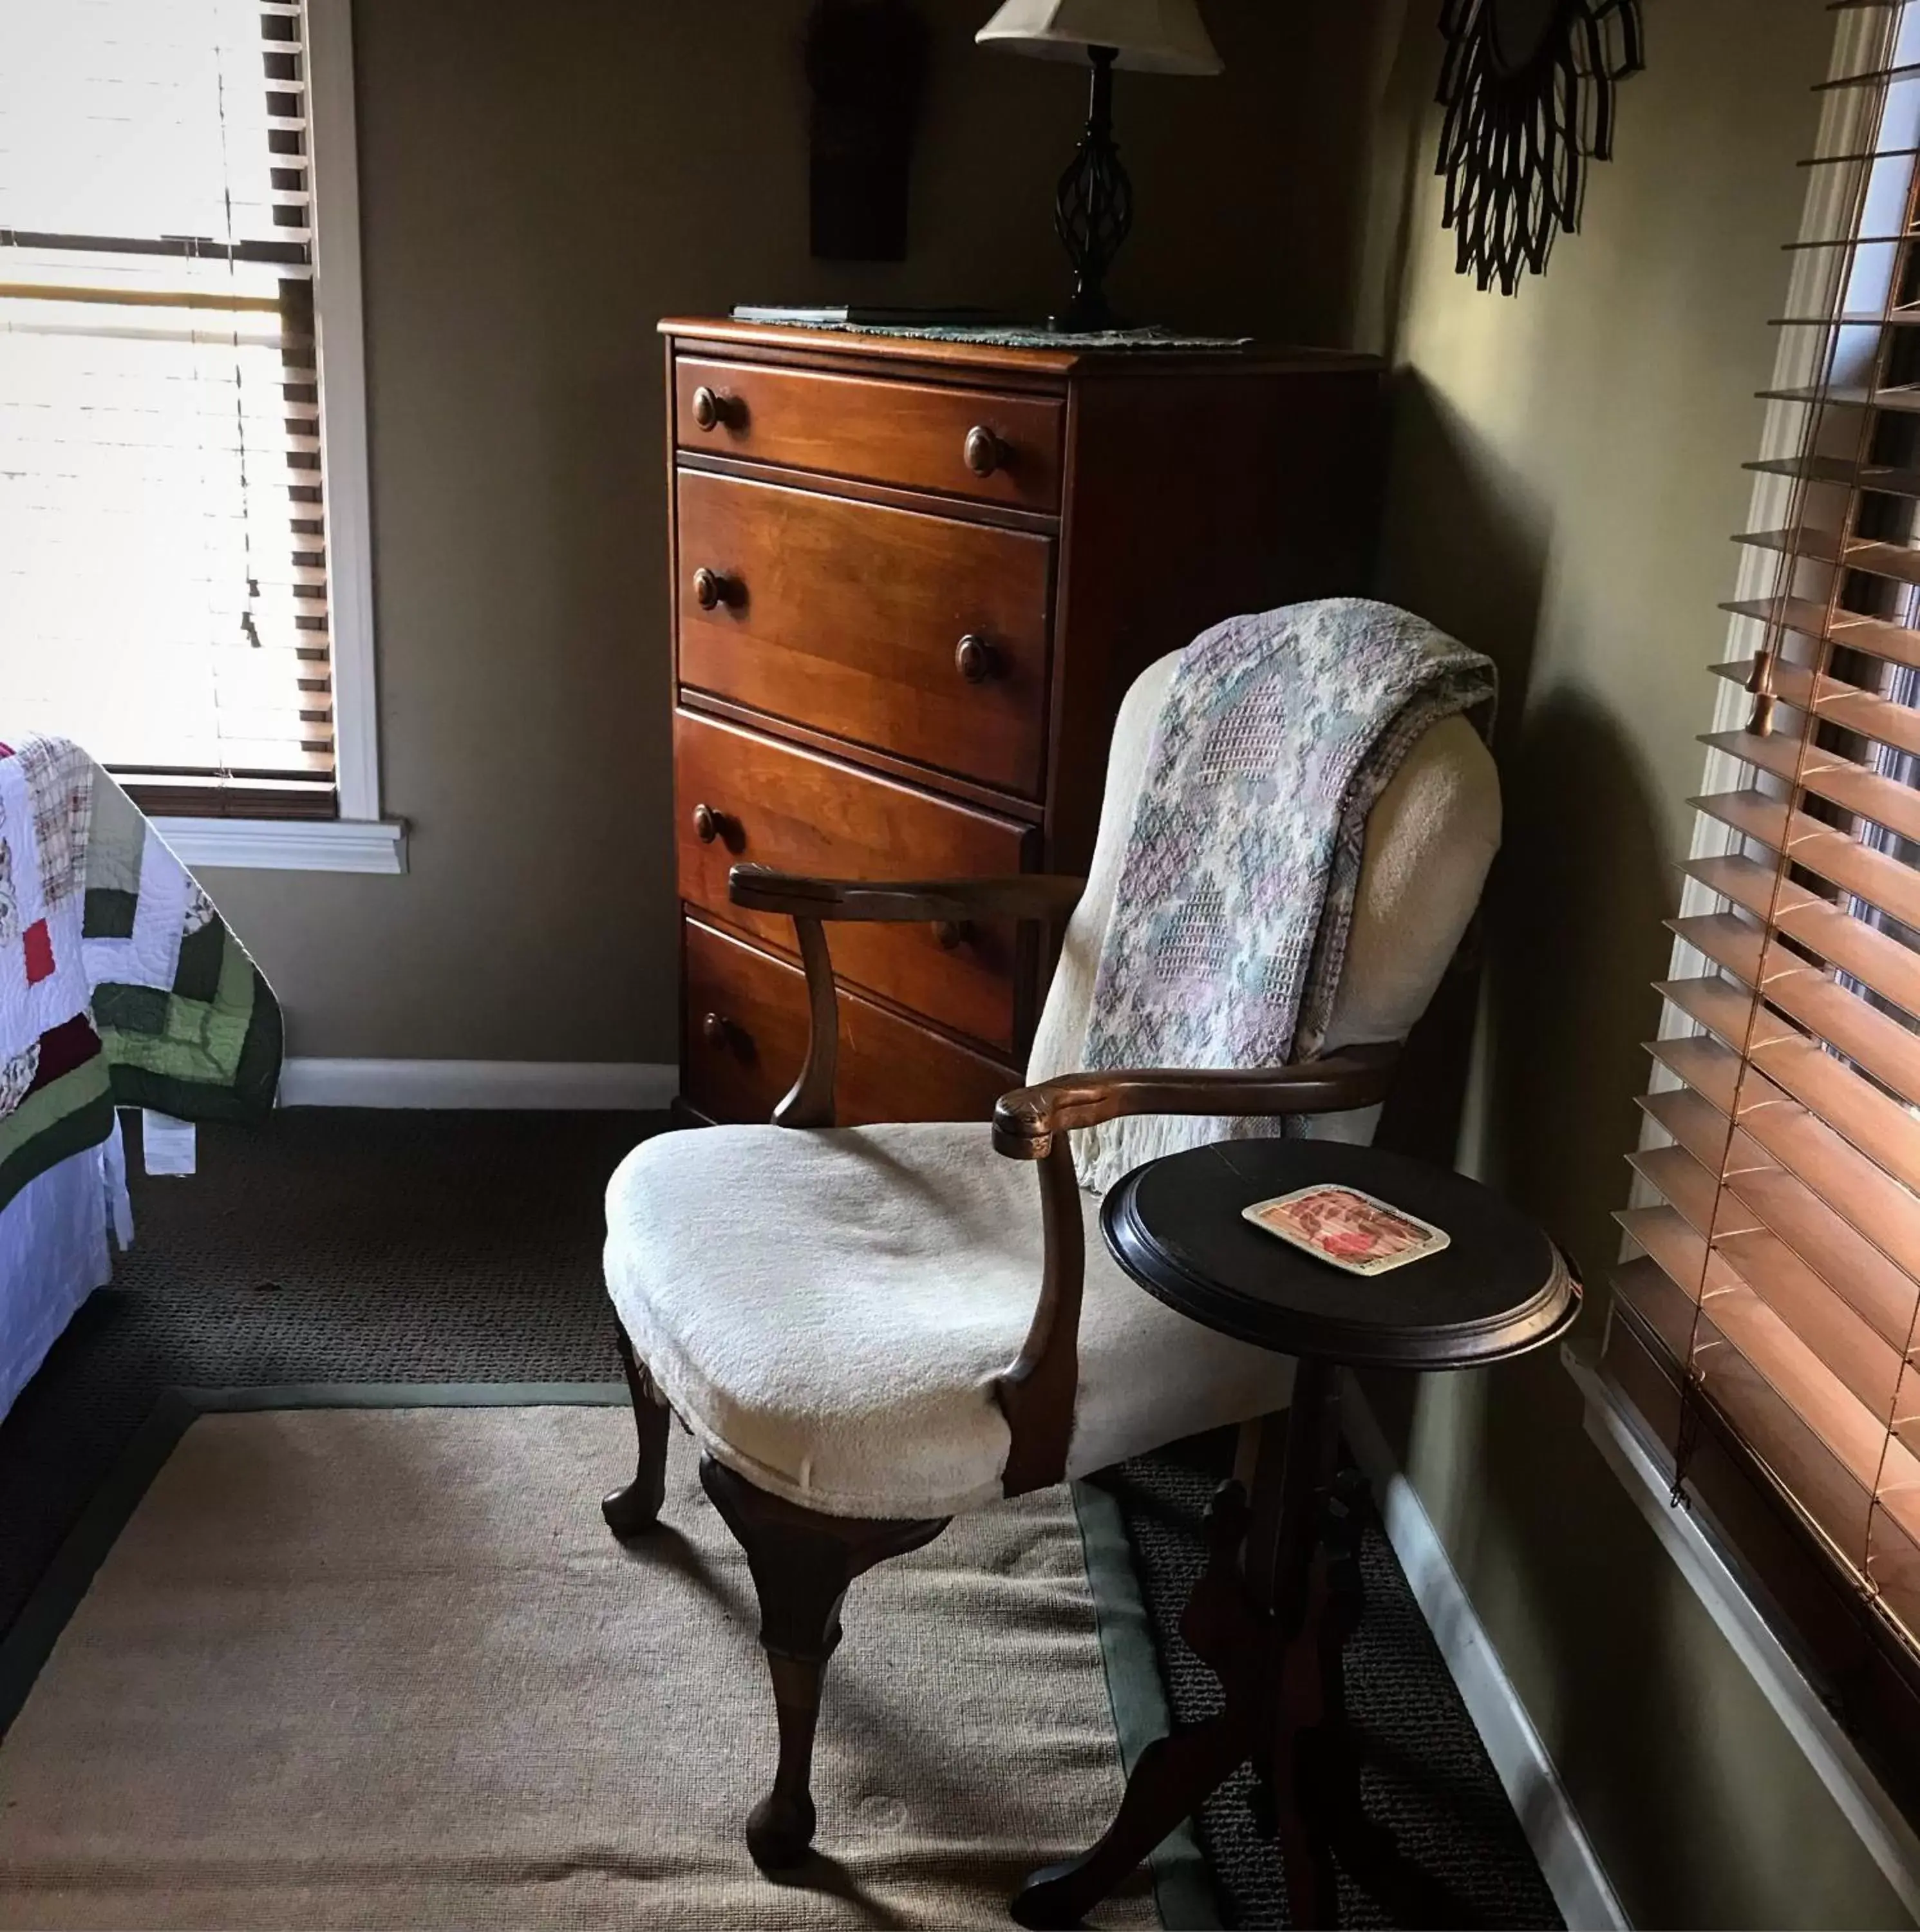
<point>839,1348</point>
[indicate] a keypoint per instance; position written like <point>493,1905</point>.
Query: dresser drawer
<point>919,635</point>
<point>966,443</point>
<point>746,1037</point>
<point>740,797</point>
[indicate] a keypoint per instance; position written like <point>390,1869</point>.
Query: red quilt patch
<point>39,943</point>
<point>64,1048</point>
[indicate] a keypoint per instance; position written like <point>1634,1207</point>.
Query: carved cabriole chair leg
<point>802,1563</point>
<point>632,1511</point>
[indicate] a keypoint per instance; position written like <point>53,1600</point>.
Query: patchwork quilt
<point>120,984</point>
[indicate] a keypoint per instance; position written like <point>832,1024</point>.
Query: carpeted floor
<point>381,1667</point>
<point>332,1246</point>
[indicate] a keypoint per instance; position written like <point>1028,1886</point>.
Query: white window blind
<point>162,566</point>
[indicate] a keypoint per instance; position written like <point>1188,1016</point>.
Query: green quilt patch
<point>202,956</point>
<point>208,1049</point>
<point>201,1039</point>
<point>59,1119</point>
<point>130,1009</point>
<point>109,913</point>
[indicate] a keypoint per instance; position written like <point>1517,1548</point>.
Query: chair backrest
<point>1430,838</point>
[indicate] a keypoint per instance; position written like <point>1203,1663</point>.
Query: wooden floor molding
<point>1567,1860</point>
<point>617,1086</point>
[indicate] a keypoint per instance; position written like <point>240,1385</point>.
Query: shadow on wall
<point>1535,1098</point>
<point>1466,549</point>
<point>1572,931</point>
<point>1465,542</point>
<point>1582,889</point>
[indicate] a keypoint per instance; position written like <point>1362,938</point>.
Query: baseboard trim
<point>1568,1860</point>
<point>1690,1538</point>
<point>619,1086</point>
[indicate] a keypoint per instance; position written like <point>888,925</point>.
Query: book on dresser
<point>912,580</point>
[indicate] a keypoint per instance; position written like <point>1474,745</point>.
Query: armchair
<point>870,1330</point>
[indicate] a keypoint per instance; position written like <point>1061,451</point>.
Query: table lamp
<point>1093,206</point>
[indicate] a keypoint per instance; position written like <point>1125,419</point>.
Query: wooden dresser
<point>912,582</point>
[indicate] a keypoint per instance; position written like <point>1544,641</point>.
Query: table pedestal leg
<point>1255,1618</point>
<point>1290,1579</point>
<point>1173,1778</point>
<point>1309,1737</point>
<point>1328,1755</point>
<point>1174,1775</point>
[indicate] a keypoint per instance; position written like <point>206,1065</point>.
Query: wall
<point>539,186</point>
<point>1564,478</point>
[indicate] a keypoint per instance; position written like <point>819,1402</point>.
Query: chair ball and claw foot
<point>802,1563</point>
<point>632,1511</point>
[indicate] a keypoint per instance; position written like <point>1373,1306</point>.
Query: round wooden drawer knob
<point>984,451</point>
<point>711,588</point>
<point>716,1030</point>
<point>975,659</point>
<point>709,824</point>
<point>953,933</point>
<point>711,410</point>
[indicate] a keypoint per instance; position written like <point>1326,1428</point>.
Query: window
<point>183,550</point>
<point>1767,1328</point>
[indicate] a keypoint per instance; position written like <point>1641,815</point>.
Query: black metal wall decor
<point>1529,88</point>
<point>867,66</point>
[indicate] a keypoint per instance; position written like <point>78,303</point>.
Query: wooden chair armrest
<point>1036,1393</point>
<point>1026,1120</point>
<point>813,903</point>
<point>1033,895</point>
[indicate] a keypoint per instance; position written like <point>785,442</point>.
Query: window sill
<point>288,845</point>
<point>1688,1536</point>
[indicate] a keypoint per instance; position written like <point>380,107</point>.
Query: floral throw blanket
<point>1236,895</point>
<point>119,982</point>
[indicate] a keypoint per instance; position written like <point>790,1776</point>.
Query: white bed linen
<point>54,1253</point>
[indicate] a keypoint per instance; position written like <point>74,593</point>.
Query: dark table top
<point>1499,1288</point>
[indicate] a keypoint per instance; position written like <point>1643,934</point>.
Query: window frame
<point>359,839</point>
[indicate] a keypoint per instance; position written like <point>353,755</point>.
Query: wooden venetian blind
<point>1775,1288</point>
<point>163,564</point>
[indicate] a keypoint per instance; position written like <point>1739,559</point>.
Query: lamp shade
<point>1151,36</point>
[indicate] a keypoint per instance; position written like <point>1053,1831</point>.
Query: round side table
<point>1280,1595</point>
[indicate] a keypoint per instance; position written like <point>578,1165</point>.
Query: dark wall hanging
<point>867,66</point>
<point>1529,88</point>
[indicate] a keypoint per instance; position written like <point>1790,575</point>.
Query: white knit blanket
<point>1230,922</point>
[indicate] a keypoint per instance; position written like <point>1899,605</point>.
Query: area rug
<point>368,1657</point>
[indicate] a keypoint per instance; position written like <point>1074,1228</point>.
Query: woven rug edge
<point>1183,1889</point>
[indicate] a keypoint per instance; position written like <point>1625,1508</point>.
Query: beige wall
<point>1564,478</point>
<point>539,186</point>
